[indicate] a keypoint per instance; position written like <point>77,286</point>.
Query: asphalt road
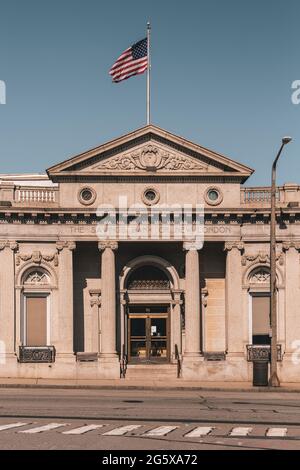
<point>148,419</point>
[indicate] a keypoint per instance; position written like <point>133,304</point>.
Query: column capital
<point>64,244</point>
<point>95,298</point>
<point>113,245</point>
<point>291,244</point>
<point>238,245</point>
<point>14,246</point>
<point>190,246</point>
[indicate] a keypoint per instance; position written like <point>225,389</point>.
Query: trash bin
<point>260,373</point>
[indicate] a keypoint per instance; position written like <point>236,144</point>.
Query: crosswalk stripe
<point>47,427</point>
<point>83,429</point>
<point>160,431</point>
<point>199,432</point>
<point>4,427</point>
<point>276,432</point>
<point>122,430</point>
<point>240,432</point>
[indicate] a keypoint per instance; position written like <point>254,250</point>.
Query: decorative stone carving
<point>260,275</point>
<point>231,245</point>
<point>70,245</point>
<point>9,244</point>
<point>151,158</point>
<point>95,298</point>
<point>37,278</point>
<point>113,245</point>
<point>204,295</point>
<point>262,258</point>
<point>292,244</point>
<point>149,284</point>
<point>37,257</point>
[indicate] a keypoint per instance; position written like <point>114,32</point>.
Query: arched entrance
<point>151,322</point>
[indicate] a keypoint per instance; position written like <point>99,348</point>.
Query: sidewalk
<point>125,384</point>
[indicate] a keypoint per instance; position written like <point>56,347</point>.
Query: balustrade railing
<point>260,195</point>
<point>29,195</point>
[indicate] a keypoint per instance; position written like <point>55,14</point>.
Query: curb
<point>150,387</point>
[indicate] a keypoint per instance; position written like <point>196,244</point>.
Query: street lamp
<point>274,380</point>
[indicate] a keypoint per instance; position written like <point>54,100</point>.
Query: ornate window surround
<point>88,202</point>
<point>218,200</point>
<point>147,201</point>
<point>35,290</point>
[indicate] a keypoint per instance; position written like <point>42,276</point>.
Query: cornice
<point>84,215</point>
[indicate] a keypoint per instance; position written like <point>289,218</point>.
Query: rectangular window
<point>36,321</point>
<point>261,319</point>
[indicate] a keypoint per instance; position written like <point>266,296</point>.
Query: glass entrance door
<point>148,338</point>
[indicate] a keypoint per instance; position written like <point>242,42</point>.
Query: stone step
<point>151,371</point>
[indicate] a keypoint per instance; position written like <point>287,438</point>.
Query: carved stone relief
<point>151,158</point>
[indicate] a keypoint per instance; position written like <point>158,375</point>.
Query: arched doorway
<point>150,321</point>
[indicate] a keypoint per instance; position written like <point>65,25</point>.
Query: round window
<point>213,195</point>
<point>150,196</point>
<point>87,196</point>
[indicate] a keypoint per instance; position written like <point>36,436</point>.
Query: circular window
<point>213,196</point>
<point>150,196</point>
<point>87,196</point>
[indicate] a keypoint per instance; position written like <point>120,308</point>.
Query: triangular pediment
<point>149,151</point>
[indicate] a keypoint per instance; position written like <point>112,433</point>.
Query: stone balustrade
<point>38,194</point>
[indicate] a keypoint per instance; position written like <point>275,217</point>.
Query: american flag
<point>133,61</point>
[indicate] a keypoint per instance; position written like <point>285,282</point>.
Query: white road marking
<point>276,432</point>
<point>122,430</point>
<point>237,432</point>
<point>83,429</point>
<point>199,432</point>
<point>47,427</point>
<point>161,431</point>
<point>4,427</point>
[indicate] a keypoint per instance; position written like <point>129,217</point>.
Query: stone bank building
<point>77,308</point>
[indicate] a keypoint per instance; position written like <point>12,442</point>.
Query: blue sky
<point>221,76</point>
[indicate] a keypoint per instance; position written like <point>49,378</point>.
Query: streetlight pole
<point>274,380</point>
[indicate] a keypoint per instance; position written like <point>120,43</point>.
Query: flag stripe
<point>126,58</point>
<point>129,68</point>
<point>124,77</point>
<point>133,61</point>
<point>126,64</point>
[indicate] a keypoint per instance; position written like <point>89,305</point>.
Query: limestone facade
<point>81,303</point>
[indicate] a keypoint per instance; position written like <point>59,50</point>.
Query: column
<point>292,298</point>
<point>64,329</point>
<point>108,301</point>
<point>234,307</point>
<point>192,302</point>
<point>7,300</point>
<point>176,333</point>
<point>93,341</point>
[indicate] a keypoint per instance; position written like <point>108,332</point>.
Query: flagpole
<point>148,72</point>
